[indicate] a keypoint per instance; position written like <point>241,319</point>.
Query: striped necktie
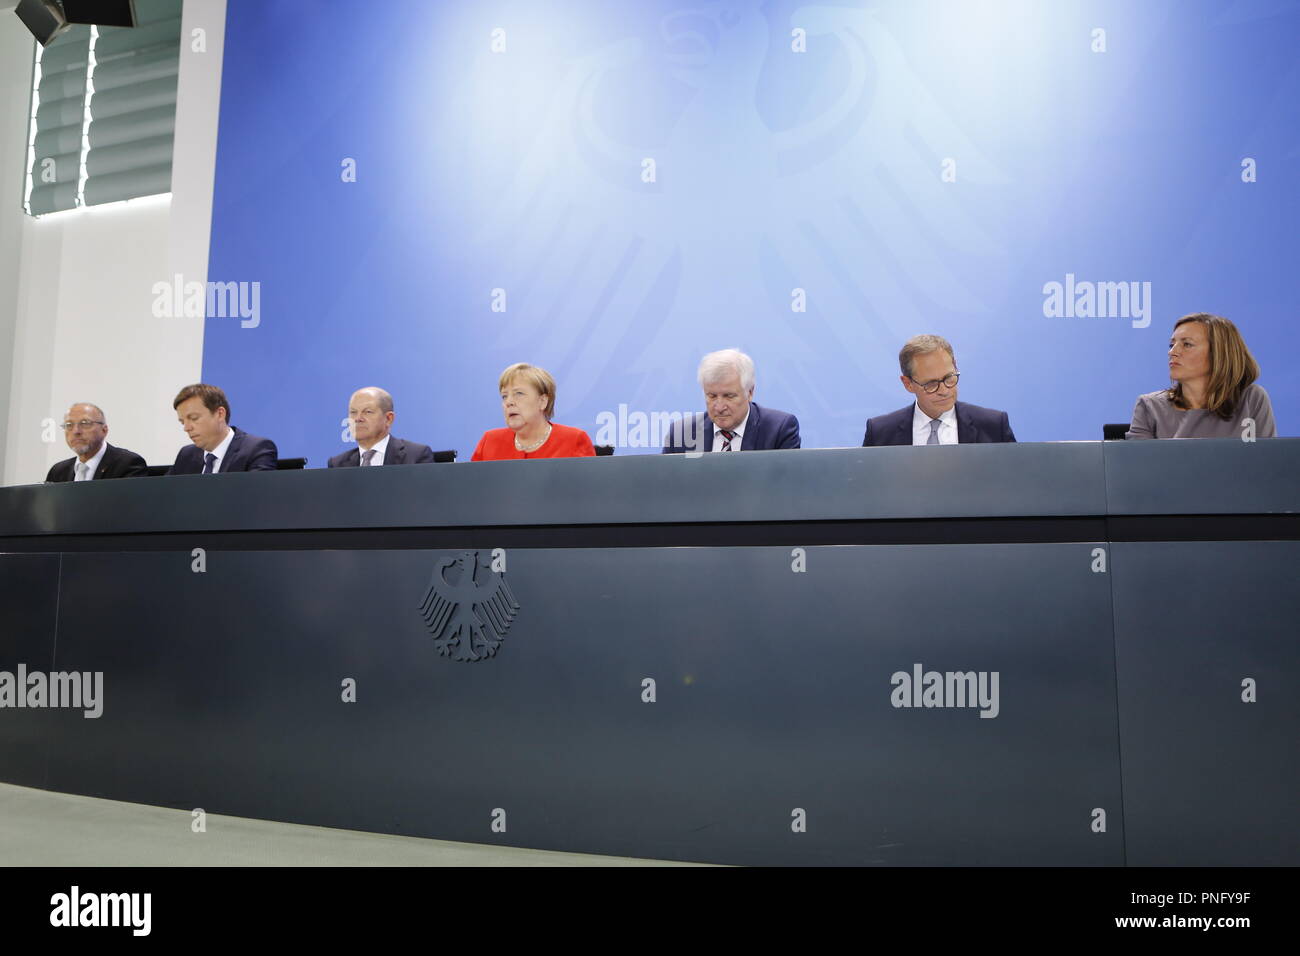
<point>726,438</point>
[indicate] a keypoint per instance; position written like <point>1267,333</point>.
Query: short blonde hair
<point>538,378</point>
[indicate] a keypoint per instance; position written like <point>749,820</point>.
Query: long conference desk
<point>1043,654</point>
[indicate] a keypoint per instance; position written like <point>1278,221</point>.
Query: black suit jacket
<point>116,463</point>
<point>974,425</point>
<point>246,453</point>
<point>399,452</point>
<point>766,428</point>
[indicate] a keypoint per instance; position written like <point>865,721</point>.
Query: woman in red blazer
<point>528,401</point>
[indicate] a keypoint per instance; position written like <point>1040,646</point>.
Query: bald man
<point>371,413</point>
<point>85,429</point>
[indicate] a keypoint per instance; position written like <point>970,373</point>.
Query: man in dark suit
<point>734,421</point>
<point>371,412</point>
<point>85,429</point>
<point>218,447</point>
<point>936,418</point>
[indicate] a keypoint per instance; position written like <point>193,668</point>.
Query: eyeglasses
<point>84,423</point>
<point>948,381</point>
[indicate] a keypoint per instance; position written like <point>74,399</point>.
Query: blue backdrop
<point>635,184</point>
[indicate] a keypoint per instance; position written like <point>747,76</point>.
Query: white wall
<point>15,105</point>
<point>76,288</point>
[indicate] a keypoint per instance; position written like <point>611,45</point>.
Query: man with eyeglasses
<point>85,430</point>
<point>936,418</point>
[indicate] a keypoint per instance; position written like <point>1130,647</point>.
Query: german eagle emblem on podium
<point>468,608</point>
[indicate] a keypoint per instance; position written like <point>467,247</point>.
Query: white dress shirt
<point>736,434</point>
<point>219,451</point>
<point>921,426</point>
<point>380,448</point>
<point>92,466</point>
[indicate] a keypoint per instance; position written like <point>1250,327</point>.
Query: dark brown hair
<point>211,396</point>
<point>1232,368</point>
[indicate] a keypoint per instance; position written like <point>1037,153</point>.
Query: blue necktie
<point>208,459</point>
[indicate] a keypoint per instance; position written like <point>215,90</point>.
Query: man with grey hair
<point>936,417</point>
<point>734,421</point>
<point>85,429</point>
<point>371,413</point>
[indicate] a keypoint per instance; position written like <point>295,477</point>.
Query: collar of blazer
<point>103,462</point>
<point>99,469</point>
<point>965,427</point>
<point>393,452</point>
<point>235,441</point>
<point>751,423</point>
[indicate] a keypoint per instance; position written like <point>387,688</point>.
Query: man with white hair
<point>734,422</point>
<point>85,429</point>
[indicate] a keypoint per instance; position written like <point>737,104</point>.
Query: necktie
<point>367,456</point>
<point>208,459</point>
<point>934,431</point>
<point>82,471</point>
<point>726,438</point>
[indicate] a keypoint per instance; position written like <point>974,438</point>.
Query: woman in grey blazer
<point>1214,393</point>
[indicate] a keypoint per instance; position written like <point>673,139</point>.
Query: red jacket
<point>498,444</point>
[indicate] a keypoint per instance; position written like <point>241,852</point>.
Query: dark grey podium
<point>1076,654</point>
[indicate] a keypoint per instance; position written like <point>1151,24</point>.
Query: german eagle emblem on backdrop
<point>467,608</point>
